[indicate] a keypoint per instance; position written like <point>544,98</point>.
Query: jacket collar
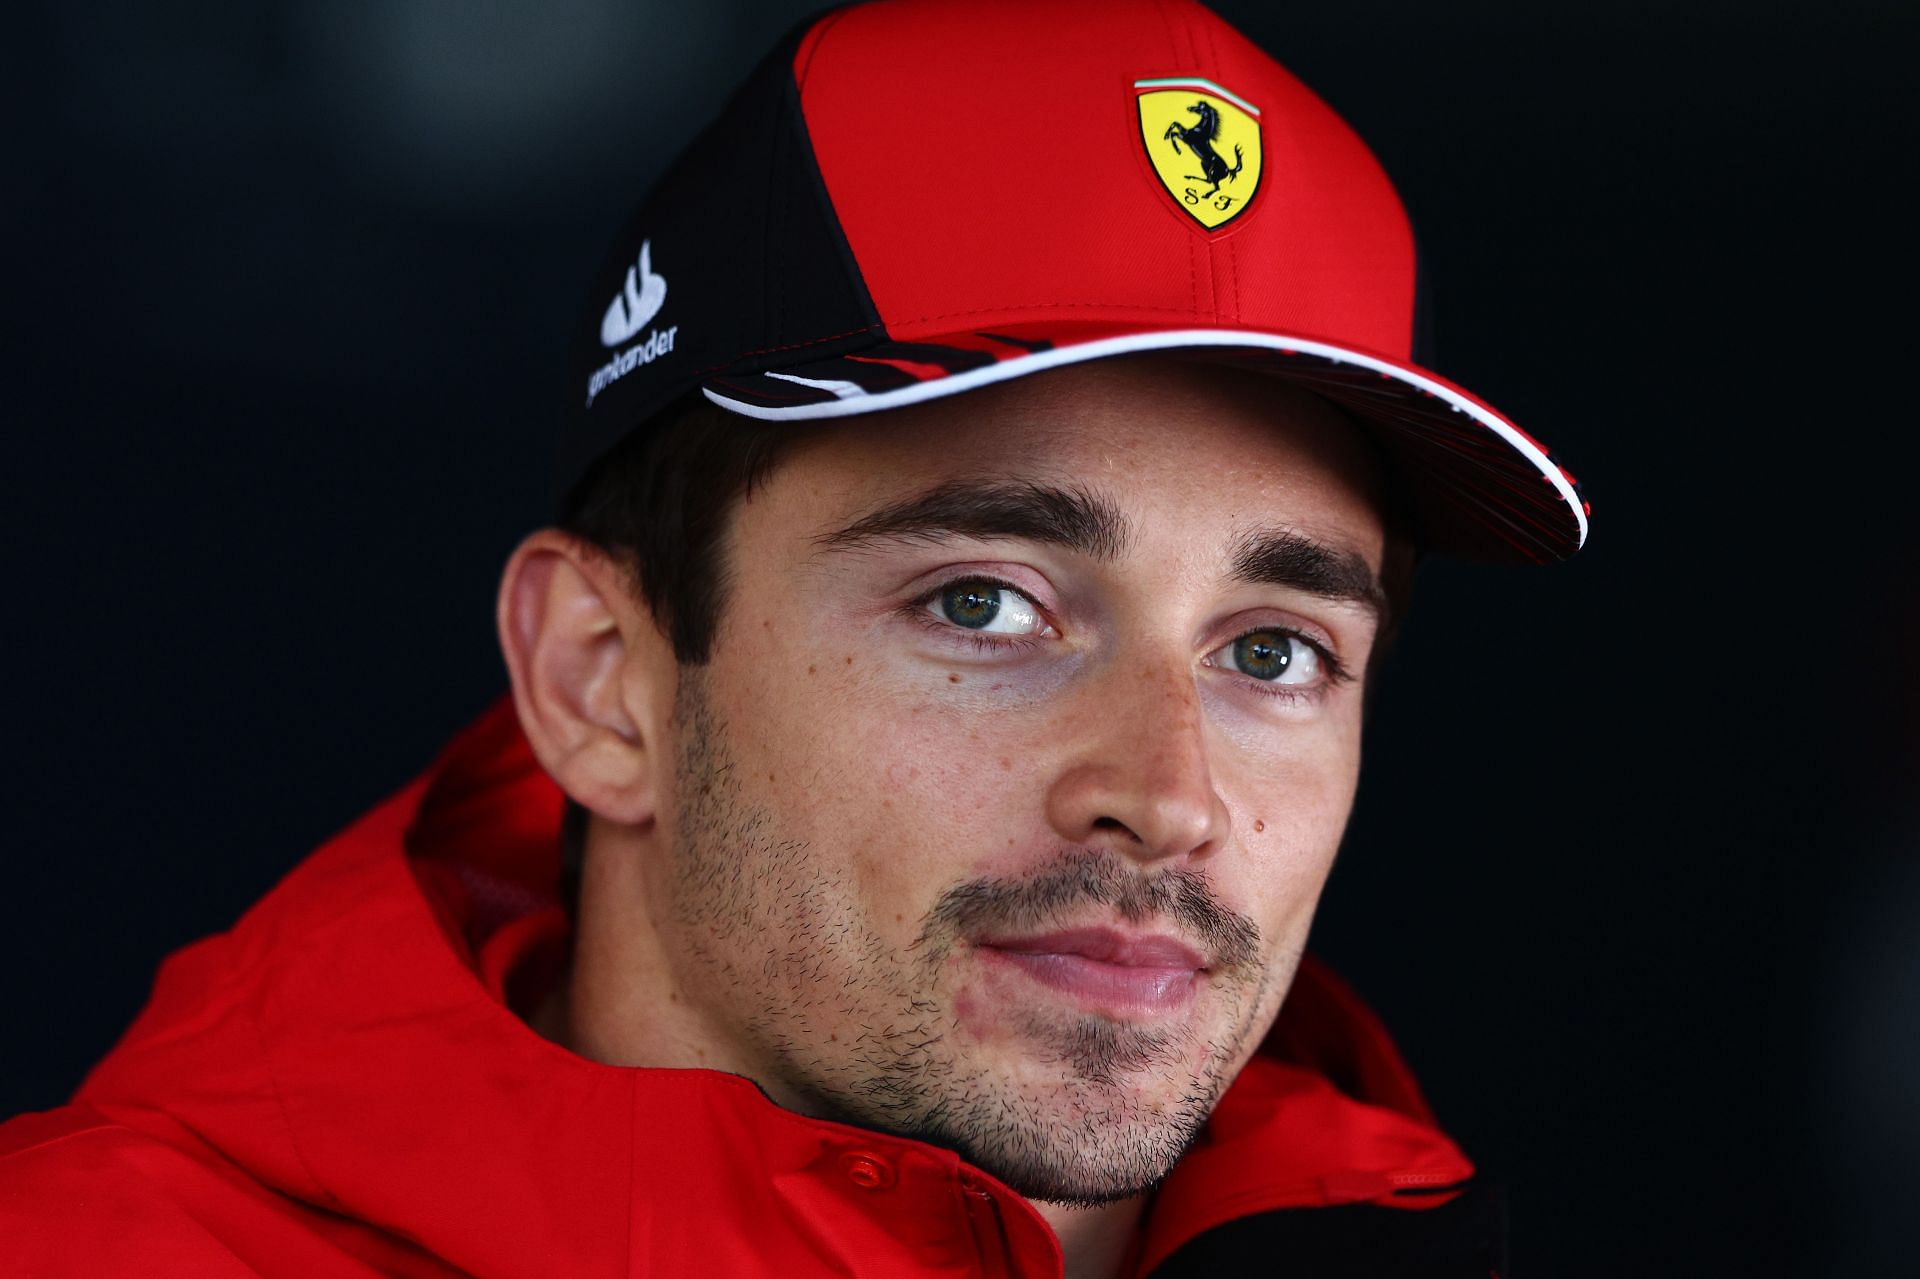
<point>352,1044</point>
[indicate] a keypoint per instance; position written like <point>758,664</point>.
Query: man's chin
<point>1088,1145</point>
<point>1099,1116</point>
<point>1089,1112</point>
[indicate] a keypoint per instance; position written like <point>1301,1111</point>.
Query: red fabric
<point>955,230</point>
<point>340,1086</point>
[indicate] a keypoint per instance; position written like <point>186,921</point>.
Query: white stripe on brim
<point>848,405</point>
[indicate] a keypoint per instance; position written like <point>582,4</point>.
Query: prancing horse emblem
<point>1188,123</point>
<point>1199,138</point>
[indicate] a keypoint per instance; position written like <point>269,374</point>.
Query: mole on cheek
<point>1259,825</point>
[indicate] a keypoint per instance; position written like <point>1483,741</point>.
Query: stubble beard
<point>783,947</point>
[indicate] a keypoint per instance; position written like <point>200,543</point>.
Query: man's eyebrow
<point>1285,557</point>
<point>1068,516</point>
<point>1081,520</point>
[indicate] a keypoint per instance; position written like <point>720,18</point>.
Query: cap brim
<point>1477,484</point>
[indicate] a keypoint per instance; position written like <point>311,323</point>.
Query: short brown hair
<point>659,503</point>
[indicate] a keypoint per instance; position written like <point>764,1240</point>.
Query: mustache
<point>1079,878</point>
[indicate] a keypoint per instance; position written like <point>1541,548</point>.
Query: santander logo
<point>636,304</point>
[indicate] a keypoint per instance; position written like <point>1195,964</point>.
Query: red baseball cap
<point>913,198</point>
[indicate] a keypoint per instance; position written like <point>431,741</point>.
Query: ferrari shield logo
<point>1204,143</point>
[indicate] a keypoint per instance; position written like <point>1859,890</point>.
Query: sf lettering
<point>1218,200</point>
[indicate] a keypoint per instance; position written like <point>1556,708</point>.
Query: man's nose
<point>1140,781</point>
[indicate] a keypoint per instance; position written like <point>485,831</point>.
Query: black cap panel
<point>733,263</point>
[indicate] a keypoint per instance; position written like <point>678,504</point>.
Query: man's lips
<point>1106,946</point>
<point>1110,971</point>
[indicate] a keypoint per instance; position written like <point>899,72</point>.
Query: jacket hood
<point>352,1044</point>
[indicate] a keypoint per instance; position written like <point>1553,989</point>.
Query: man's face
<point>1028,737</point>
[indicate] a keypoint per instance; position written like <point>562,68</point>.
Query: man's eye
<point>1274,656</point>
<point>988,607</point>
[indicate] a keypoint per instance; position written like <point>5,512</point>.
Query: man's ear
<point>592,673</point>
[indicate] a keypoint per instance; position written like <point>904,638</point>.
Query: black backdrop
<point>1632,877</point>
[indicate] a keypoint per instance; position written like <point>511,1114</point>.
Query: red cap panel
<point>987,163</point>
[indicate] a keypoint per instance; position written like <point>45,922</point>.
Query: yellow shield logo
<point>1204,143</point>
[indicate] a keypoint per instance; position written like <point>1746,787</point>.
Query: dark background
<point>1633,873</point>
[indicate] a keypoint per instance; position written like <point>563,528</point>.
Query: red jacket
<point>339,1086</point>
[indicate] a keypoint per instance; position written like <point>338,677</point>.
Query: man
<point>931,727</point>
